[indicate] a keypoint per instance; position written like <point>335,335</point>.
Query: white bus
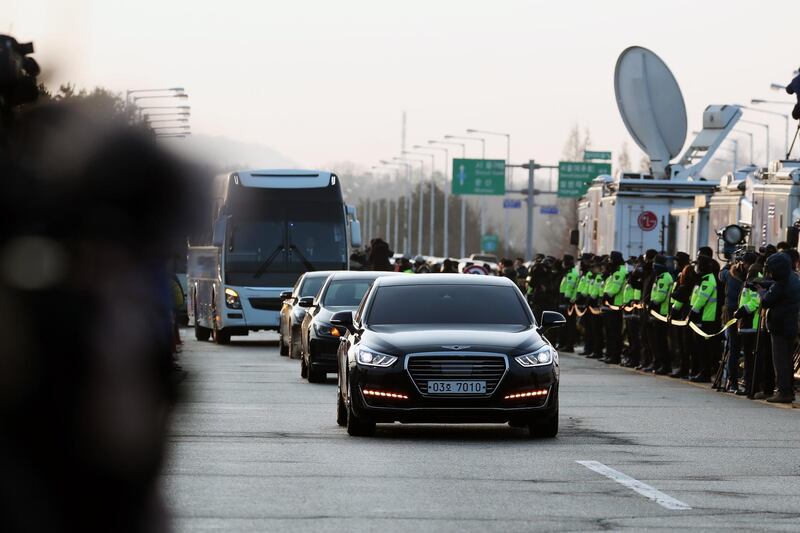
<point>269,227</point>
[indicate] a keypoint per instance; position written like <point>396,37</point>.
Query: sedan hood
<point>509,339</point>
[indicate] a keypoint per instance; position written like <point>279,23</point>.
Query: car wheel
<point>358,427</point>
<point>284,348</point>
<point>303,368</point>
<point>294,348</point>
<point>201,333</point>
<point>221,336</point>
<point>341,409</point>
<point>546,428</point>
<point>315,376</point>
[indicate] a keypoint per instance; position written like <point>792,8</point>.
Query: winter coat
<point>783,297</point>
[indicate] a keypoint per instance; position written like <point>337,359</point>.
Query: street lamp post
<point>420,209</point>
<point>463,203</point>
<point>431,230</point>
<point>509,171</point>
<point>445,237</point>
<point>766,126</point>
<point>749,134</point>
<point>409,168</point>
<point>777,113</point>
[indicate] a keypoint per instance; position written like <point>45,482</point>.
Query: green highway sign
<point>489,243</point>
<point>589,155</point>
<point>479,176</point>
<point>574,177</point>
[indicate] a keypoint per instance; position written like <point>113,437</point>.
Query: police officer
<point>582,300</point>
<point>612,316</point>
<point>596,285</point>
<point>568,289</point>
<point>706,351</point>
<point>682,335</point>
<point>630,316</point>
<point>749,317</point>
<point>659,302</point>
<point>647,277</point>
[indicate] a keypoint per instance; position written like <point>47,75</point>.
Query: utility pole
<point>531,166</point>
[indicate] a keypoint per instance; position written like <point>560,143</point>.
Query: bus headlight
<point>232,299</point>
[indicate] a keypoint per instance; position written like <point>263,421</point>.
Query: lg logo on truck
<point>647,220</point>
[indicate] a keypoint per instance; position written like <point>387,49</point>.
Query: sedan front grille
<point>433,367</point>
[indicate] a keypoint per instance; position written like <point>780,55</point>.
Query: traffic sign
<point>489,243</point>
<point>574,178</point>
<point>479,176</point>
<point>510,203</point>
<point>647,221</point>
<point>548,210</point>
<point>588,155</point>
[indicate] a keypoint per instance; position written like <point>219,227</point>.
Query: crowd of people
<point>734,324</point>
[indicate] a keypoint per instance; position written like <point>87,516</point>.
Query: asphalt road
<point>255,448</point>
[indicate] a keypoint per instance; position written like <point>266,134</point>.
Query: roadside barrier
<point>577,311</point>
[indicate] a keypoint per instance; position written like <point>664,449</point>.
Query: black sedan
<point>446,348</point>
<point>292,314</point>
<point>342,291</point>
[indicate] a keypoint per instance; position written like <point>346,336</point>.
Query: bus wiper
<point>306,262</point>
<point>265,265</point>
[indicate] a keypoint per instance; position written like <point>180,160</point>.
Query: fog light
<point>529,394</point>
<point>384,394</point>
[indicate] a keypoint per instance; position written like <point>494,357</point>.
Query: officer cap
<point>567,258</point>
<point>682,257</point>
<point>616,258</point>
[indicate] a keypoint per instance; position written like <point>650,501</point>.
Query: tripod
<point>796,133</point>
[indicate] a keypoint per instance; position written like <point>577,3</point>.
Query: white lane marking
<point>644,489</point>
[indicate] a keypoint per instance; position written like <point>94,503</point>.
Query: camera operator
<point>733,278</point>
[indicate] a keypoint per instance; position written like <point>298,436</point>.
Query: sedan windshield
<point>311,286</point>
<point>345,293</point>
<point>447,304</point>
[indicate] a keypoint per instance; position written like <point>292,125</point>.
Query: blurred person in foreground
<point>86,379</point>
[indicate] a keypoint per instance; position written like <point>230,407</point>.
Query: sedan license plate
<point>457,387</point>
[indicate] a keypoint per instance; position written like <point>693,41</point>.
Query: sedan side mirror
<point>551,319</point>
<point>343,319</point>
<point>285,295</point>
<point>306,301</point>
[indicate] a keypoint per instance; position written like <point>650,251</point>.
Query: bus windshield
<point>273,246</point>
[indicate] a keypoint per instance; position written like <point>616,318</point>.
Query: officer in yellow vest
<point>568,290</point>
<point>582,301</point>
<point>705,352</point>
<point>749,315</point>
<point>596,284</point>
<point>659,303</point>
<point>630,299</point>
<point>613,296</point>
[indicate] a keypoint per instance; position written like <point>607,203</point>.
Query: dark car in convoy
<point>434,348</point>
<point>292,314</point>
<point>342,291</point>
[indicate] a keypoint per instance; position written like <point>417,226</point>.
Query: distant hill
<point>224,153</point>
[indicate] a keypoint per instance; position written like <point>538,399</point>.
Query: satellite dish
<point>651,105</point>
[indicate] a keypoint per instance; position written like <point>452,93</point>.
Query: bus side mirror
<point>355,234</point>
<point>574,237</point>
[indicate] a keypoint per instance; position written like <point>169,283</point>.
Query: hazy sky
<point>326,80</point>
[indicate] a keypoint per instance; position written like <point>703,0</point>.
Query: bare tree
<point>624,158</point>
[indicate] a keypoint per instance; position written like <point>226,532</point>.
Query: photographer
<point>782,301</point>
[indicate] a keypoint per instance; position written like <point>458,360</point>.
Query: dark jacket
<point>733,282</point>
<point>783,297</point>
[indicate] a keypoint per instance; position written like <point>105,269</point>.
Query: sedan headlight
<point>368,357</point>
<point>541,357</point>
<point>326,330</point>
<point>232,299</point>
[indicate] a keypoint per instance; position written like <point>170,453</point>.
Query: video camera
<point>731,242</point>
<point>18,74</point>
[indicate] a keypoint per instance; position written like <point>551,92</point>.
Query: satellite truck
<point>666,209</point>
<point>269,227</point>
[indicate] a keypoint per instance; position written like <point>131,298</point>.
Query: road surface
<point>255,448</point>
